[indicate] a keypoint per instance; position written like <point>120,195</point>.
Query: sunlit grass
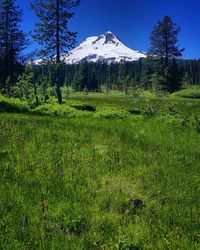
<point>98,182</point>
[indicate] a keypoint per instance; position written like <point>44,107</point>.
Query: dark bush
<point>135,112</point>
<point>132,206</point>
<point>84,107</point>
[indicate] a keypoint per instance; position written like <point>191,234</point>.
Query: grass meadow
<point>124,175</point>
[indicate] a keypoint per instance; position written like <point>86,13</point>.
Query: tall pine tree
<point>164,50</point>
<point>12,42</point>
<point>164,38</point>
<point>52,32</point>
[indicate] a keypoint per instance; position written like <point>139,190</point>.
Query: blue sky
<point>131,20</point>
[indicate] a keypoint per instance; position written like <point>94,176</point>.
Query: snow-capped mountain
<point>103,48</point>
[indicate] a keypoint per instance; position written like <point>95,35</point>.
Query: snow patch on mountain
<point>105,48</point>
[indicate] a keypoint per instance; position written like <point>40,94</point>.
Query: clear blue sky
<point>131,20</point>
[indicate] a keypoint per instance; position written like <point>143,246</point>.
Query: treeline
<point>118,76</point>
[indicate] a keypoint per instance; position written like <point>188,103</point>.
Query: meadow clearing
<point>100,172</point>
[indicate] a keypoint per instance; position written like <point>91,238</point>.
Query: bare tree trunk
<point>166,50</point>
<point>35,93</point>
<point>58,91</point>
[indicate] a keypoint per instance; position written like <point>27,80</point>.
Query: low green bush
<point>77,109</point>
<point>193,92</point>
<point>60,110</point>
<point>12,105</point>
<point>55,109</point>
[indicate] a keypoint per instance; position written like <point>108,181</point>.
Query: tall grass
<point>95,183</point>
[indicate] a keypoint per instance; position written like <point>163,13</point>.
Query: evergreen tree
<point>164,40</point>
<point>157,81</point>
<point>52,31</point>
<point>26,87</point>
<point>121,73</point>
<point>164,50</point>
<point>12,42</point>
<point>108,79</point>
<point>126,84</point>
<point>146,72</point>
<point>81,77</point>
<point>44,88</point>
<point>173,77</point>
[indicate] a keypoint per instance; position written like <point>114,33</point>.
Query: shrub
<point>151,111</point>
<point>135,111</point>
<point>26,87</point>
<point>12,105</point>
<point>55,109</point>
<point>60,110</point>
<point>84,107</point>
<point>193,92</point>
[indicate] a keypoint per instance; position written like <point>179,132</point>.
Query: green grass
<point>108,179</point>
<point>192,92</point>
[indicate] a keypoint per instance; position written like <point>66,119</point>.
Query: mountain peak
<point>110,37</point>
<point>108,32</point>
<point>105,48</point>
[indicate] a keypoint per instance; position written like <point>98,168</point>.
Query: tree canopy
<point>164,39</point>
